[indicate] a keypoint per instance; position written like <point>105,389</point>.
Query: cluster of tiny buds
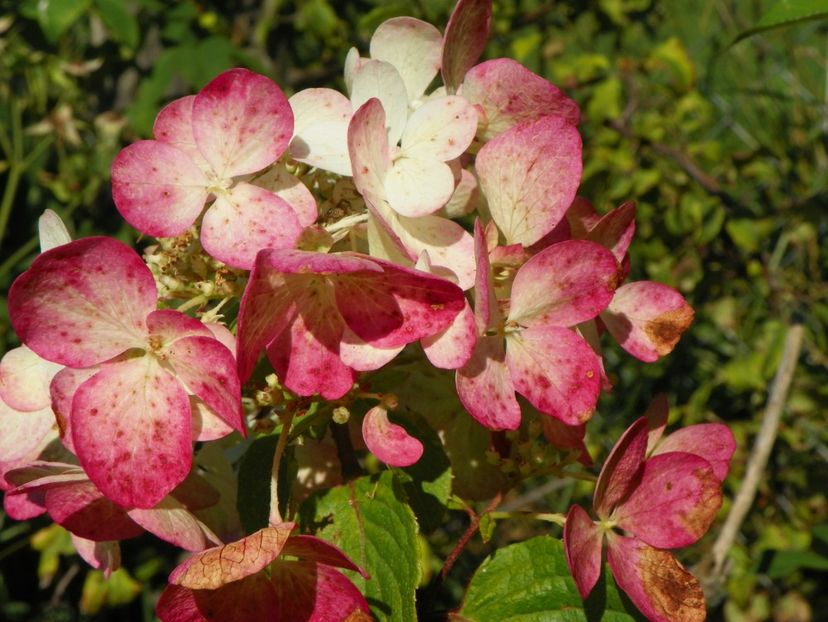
<point>529,453</point>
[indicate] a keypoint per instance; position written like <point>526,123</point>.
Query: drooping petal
<point>251,598</point>
<point>172,522</point>
<point>241,122</point>
<point>157,188</point>
<point>712,441</point>
<point>174,126</point>
<point>24,506</point>
<point>509,94</point>
<point>246,219</point>
<point>529,175</point>
<point>465,39</point>
<point>566,284</point>
<point>207,425</point>
<point>279,181</point>
<point>442,129</point>
<point>621,469</point>
<point>320,133</point>
<point>362,356</point>
<point>484,386</point>
<point>84,302</point>
<point>418,186</point>
<point>103,556</point>
<point>388,441</point>
<point>615,230</point>
<point>316,593</point>
<point>647,319</point>
<point>211,569</point>
<point>131,428</point>
<point>656,583</point>
<point>413,47</point>
<point>582,544</point>
<point>452,348</point>
<point>25,378</point>
<point>556,370</point>
<point>381,80</point>
<point>83,510</point>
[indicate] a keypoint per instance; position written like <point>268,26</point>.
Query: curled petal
<point>388,441</point>
<point>362,356</point>
<point>62,391</point>
<point>582,545</point>
<point>615,230</point>
<point>621,468</point>
<point>465,39</point>
<point>316,550</point>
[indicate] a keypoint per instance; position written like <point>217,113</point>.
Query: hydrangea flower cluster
<point>333,231</point>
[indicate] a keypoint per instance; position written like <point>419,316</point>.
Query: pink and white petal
<point>529,175</point>
<point>510,94</point>
<point>103,556</point>
<point>243,221</point>
<point>581,217</point>
<point>362,356</point>
<point>413,47</point>
<point>465,197</point>
<point>82,509</point>
<point>157,188</point>
<point>251,598</point>
<point>381,80</point>
<point>452,348</point>
<point>369,151</point>
<point>556,370</point>
<point>566,284</point>
<point>25,378</point>
<point>615,230</point>
<point>242,122</point>
<point>712,441</point>
<point>418,187</point>
<point>316,593</point>
<point>657,414</point>
<point>655,581</point>
<point>465,39</point>
<point>131,427</point>
<point>223,335</point>
<point>22,507</point>
<point>207,425</point>
<point>174,126</point>
<point>83,302</point>
<point>316,550</point>
<point>388,441</point>
<point>442,129</point>
<point>320,133</point>
<point>486,312</point>
<point>329,264</point>
<point>173,523</point>
<point>292,190</point>
<point>166,326</point>
<point>582,541</point>
<point>622,469</point>
<point>592,335</point>
<point>353,61</point>
<point>62,390</point>
<point>210,569</point>
<point>22,432</point>
<point>51,231</point>
<point>485,387</point>
<point>647,319</point>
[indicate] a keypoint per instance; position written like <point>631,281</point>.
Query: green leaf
<point>427,483</point>
<point>369,519</point>
<point>784,563</point>
<point>253,502</point>
<point>120,23</point>
<point>787,12</point>
<point>530,582</point>
<point>56,16</point>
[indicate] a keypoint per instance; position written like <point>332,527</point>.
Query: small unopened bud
<point>264,398</point>
<point>272,381</point>
<point>341,415</point>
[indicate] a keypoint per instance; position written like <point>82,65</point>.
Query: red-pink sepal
<point>567,437</point>
<point>388,441</point>
<point>583,541</point>
<point>621,469</point>
<point>465,39</point>
<point>103,556</point>
<point>249,598</point>
<point>452,348</point>
<point>315,592</point>
<point>712,441</point>
<point>485,388</point>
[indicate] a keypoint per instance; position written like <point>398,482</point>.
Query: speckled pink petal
<point>157,188</point>
<point>582,544</point>
<point>172,522</point>
<point>615,230</point>
<point>465,39</point>
<point>442,128</point>
<point>529,175</point>
<point>241,122</point>
<point>647,319</point>
<point>83,302</point>
<point>316,593</point>
<point>251,598</point>
<point>369,152</point>
<point>621,469</point>
<point>418,186</point>
<point>83,510</point>
<point>313,549</point>
<point>103,556</point>
<point>207,425</point>
<point>655,582</point>
<point>412,46</point>
<point>388,441</point>
<point>452,348</point>
<point>292,190</point>
<point>556,370</point>
<point>24,506</point>
<point>174,126</point>
<point>21,432</point>
<point>362,356</point>
<point>381,80</point>
<point>244,220</point>
<point>62,390</point>
<point>320,134</point>
<point>131,428</point>
<point>712,441</point>
<point>485,387</point>
<point>566,284</point>
<point>220,565</point>
<point>510,94</point>
<point>166,326</point>
<point>25,378</point>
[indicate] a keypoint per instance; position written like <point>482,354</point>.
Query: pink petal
<point>413,47</point>
<point>158,188</point>
<point>647,319</point>
<point>25,378</point>
<point>251,598</point>
<point>389,442</point>
<point>452,348</point>
<point>556,370</point>
<point>465,39</point>
<point>292,191</point>
<point>466,194</point>
<point>621,469</point>
<point>712,441</point>
<point>244,220</point>
<point>320,135</point>
<point>369,152</point>
<point>83,510</point>
<point>207,425</point>
<point>63,388</point>
<point>316,550</point>
<point>656,414</point>
<point>174,126</point>
<point>582,544</point>
<point>241,122</point>
<point>316,593</point>
<point>486,312</point>
<point>211,569</point>
<point>566,284</point>
<point>362,356</point>
<point>567,437</point>
<point>196,493</point>
<point>166,326</point>
<point>22,433</point>
<point>418,187</point>
<point>131,428</point>
<point>24,506</point>
<point>83,302</point>
<point>172,522</point>
<point>529,175</point>
<point>674,503</point>
<point>655,582</point>
<point>615,230</point>
<point>380,80</point>
<point>222,334</point>
<point>441,129</point>
<point>509,94</point>
<point>484,386</point>
<point>581,217</point>
<point>103,556</point>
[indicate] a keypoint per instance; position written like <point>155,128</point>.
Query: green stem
<point>275,515</point>
<point>549,517</point>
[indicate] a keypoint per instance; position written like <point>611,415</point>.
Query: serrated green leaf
<point>120,23</point>
<point>369,519</point>
<point>785,13</point>
<point>56,16</point>
<point>530,582</point>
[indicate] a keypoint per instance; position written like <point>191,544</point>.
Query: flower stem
<point>548,517</point>
<point>275,515</point>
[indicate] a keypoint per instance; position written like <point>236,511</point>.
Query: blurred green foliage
<point>723,147</point>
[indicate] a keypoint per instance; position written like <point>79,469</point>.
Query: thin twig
<point>275,517</point>
<point>467,535</point>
